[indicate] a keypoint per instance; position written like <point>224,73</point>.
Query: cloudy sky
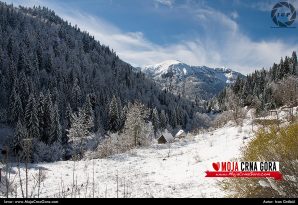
<point>237,34</point>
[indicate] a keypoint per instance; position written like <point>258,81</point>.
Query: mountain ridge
<point>191,82</point>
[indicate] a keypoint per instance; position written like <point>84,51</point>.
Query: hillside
<point>52,75</point>
<point>263,89</point>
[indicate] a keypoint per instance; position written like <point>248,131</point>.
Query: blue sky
<point>219,33</point>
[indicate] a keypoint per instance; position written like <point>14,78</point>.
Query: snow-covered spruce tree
<point>40,113</point>
<point>48,118</point>
<point>155,121</point>
<point>56,129</point>
<point>31,117</point>
<point>88,114</point>
<point>135,129</point>
<point>76,95</point>
<point>23,88</point>
<point>81,125</point>
<point>122,113</point>
<point>16,107</point>
<point>114,115</point>
<point>173,120</point>
<point>67,123</point>
<point>76,132</point>
<point>163,120</point>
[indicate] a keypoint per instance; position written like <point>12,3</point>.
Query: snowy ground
<point>145,172</point>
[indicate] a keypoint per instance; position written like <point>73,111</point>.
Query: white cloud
<point>223,44</point>
<point>266,6</point>
<point>234,14</point>
<point>168,3</point>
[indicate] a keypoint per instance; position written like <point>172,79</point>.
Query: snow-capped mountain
<point>192,82</point>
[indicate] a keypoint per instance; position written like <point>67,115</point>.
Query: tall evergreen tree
<point>48,118</point>
<point>88,114</point>
<point>31,117</point>
<point>155,121</point>
<point>56,129</point>
<point>16,107</point>
<point>76,95</point>
<point>19,135</point>
<point>163,120</point>
<point>114,116</point>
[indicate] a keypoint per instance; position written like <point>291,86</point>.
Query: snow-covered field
<point>155,171</point>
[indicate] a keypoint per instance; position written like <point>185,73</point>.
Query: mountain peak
<point>164,64</point>
<point>192,82</point>
<point>170,62</point>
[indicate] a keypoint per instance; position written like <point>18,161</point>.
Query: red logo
<point>216,166</point>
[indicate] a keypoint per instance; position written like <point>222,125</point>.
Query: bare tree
<point>233,104</point>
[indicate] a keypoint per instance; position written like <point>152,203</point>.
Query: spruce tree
<point>114,117</point>
<point>56,129</point>
<point>40,114</point>
<point>88,114</point>
<point>19,135</point>
<point>16,107</point>
<point>76,95</point>
<point>48,118</point>
<point>163,120</point>
<point>31,117</point>
<point>155,121</point>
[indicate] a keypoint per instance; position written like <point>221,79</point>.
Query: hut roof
<point>167,136</point>
<point>181,132</point>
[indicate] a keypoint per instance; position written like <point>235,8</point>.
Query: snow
<point>179,133</point>
<point>160,68</point>
<point>282,114</point>
<point>191,81</point>
<point>168,136</point>
<point>171,170</point>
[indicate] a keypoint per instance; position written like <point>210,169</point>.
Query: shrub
<point>47,153</point>
<point>273,144</point>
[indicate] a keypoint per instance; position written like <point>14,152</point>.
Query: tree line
<point>54,77</point>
